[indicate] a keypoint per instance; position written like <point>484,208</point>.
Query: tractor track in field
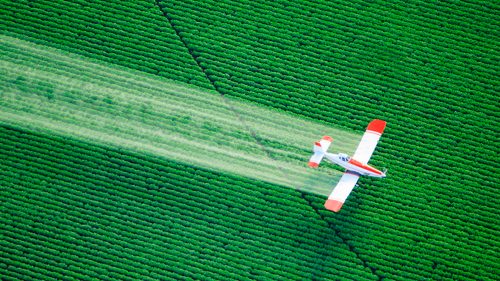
<point>259,142</point>
<point>344,240</point>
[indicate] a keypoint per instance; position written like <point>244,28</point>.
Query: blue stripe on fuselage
<point>352,172</point>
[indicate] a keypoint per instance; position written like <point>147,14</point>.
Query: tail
<point>319,149</point>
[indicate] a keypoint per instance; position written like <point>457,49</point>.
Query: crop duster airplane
<point>356,166</point>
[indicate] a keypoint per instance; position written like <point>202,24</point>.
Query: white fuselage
<point>354,166</point>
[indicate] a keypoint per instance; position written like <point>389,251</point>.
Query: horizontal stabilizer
<point>319,149</point>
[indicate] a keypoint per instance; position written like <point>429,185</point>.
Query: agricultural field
<point>95,95</point>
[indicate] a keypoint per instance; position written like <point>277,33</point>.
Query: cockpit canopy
<point>344,157</point>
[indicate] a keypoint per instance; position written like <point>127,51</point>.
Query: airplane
<point>356,166</point>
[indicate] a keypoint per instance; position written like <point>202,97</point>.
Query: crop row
<point>136,100</point>
<point>127,172</point>
<point>211,58</point>
<point>113,99</point>
<point>135,227</point>
<point>360,78</point>
<point>294,87</point>
<point>108,31</point>
<point>255,59</point>
<point>130,177</point>
<point>137,208</point>
<point>414,103</point>
<point>415,148</point>
<point>268,37</point>
<point>163,180</point>
<point>133,176</point>
<point>489,133</point>
<point>434,84</point>
<point>433,133</point>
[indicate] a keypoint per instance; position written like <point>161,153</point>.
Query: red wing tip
<point>317,144</point>
<point>328,138</point>
<point>333,205</point>
<point>313,164</point>
<point>377,125</point>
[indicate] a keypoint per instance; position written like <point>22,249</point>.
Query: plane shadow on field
<point>50,90</point>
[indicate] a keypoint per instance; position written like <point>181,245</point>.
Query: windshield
<point>344,157</point>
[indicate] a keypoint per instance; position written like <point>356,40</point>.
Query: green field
<point>96,95</point>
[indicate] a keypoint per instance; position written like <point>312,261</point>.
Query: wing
<point>341,191</point>
<point>369,141</point>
